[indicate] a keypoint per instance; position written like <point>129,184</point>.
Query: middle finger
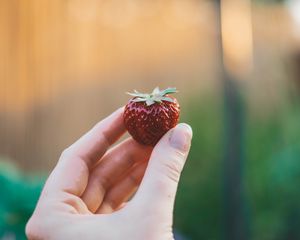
<point>111,168</point>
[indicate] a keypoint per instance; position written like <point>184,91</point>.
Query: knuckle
<point>31,229</point>
<point>174,167</point>
<point>75,202</point>
<point>66,153</point>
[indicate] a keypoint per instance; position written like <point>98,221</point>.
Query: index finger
<point>71,173</point>
<point>92,145</point>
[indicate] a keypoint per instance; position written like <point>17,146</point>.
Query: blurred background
<point>64,65</point>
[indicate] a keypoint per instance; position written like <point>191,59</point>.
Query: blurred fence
<point>61,60</point>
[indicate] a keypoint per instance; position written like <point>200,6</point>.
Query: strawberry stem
<point>157,95</point>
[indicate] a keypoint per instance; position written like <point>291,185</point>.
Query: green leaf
<point>149,102</point>
<point>168,91</point>
<point>167,99</point>
<point>139,99</point>
<point>156,91</point>
<point>137,94</point>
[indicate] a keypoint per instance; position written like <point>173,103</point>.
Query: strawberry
<point>148,117</point>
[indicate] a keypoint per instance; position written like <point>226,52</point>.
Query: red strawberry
<point>148,117</point>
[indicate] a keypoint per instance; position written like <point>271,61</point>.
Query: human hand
<point>85,196</point>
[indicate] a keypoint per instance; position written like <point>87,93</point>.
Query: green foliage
<point>272,173</point>
<point>198,209</point>
<point>19,195</point>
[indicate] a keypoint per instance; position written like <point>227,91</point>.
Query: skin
<point>86,195</point>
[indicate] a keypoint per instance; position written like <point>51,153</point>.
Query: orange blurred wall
<point>66,64</point>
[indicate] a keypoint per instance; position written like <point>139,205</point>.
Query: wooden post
<point>234,205</point>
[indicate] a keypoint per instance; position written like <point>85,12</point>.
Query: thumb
<point>158,188</point>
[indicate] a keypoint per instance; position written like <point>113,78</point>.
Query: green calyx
<point>157,95</point>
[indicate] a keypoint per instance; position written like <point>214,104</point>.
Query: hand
<point>85,196</point>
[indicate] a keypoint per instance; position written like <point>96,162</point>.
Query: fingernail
<point>181,137</point>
